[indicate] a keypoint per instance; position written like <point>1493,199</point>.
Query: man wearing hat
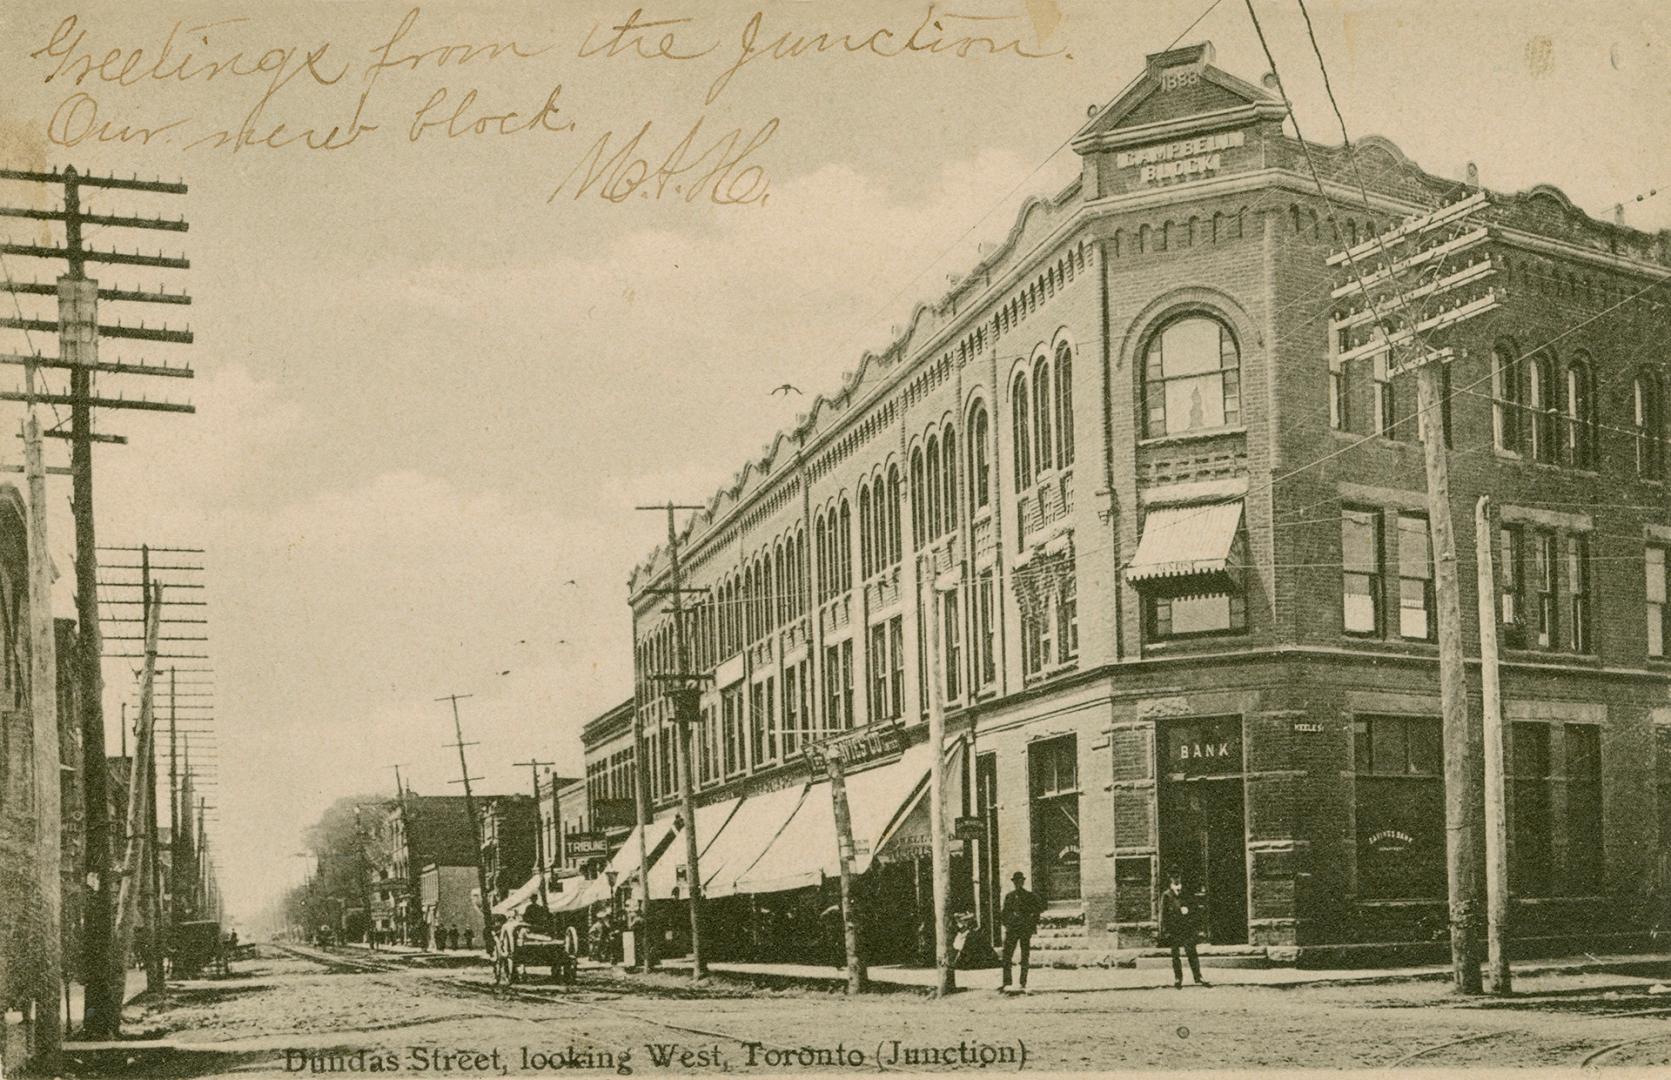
<point>1020,915</point>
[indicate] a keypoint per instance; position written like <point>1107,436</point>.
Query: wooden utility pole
<point>475,821</point>
<point>945,980</point>
<point>79,332</point>
<point>1496,823</point>
<point>175,848</point>
<point>685,691</point>
<point>641,811</point>
<point>539,829</point>
<point>1388,326</point>
<point>134,835</point>
<point>43,715</point>
<point>856,975</point>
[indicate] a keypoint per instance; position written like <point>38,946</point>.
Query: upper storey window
<point>1192,378</point>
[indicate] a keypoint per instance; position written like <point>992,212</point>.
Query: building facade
<point>1170,574</point>
<point>423,829</point>
<point>510,825</point>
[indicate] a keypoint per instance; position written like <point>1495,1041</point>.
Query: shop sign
<point>968,828</point>
<point>1211,748</point>
<point>856,747</point>
<point>583,844</point>
<point>1309,727</point>
<point>1185,159</point>
<point>1390,841</point>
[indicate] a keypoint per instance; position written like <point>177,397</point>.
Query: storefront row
<point>1309,834</point>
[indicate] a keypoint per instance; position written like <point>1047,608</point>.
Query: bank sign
<point>1204,747</point>
<point>1185,159</point>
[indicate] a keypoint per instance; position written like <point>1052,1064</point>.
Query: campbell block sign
<point>1185,159</point>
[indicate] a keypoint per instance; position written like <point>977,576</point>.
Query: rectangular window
<point>832,688</point>
<point>986,633</point>
<point>1415,579</point>
<point>1340,410</point>
<point>1067,619</point>
<point>1399,797</point>
<point>1505,402</point>
<point>1543,585</point>
<point>757,722</point>
<point>1189,616</point>
<point>1360,543</point>
<point>1386,413</point>
<point>1511,552</point>
<point>1578,594</point>
<point>896,656</point>
<point>876,664</point>
<point>952,635</point>
<point>731,722</point>
<point>1654,563</point>
<point>1530,846</point>
<point>791,710</point>
<point>846,684</point>
<point>1584,838</point>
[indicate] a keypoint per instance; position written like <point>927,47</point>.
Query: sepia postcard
<point>834,536</point>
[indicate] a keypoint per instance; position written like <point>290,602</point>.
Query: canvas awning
<point>746,837</point>
<point>1181,542</point>
<point>578,893</point>
<point>519,899</point>
<point>625,860</point>
<point>804,852</point>
<point>711,821</point>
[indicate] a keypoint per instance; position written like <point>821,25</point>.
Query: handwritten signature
<point>720,172</point>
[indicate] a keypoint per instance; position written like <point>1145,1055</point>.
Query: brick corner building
<point>1180,571</point>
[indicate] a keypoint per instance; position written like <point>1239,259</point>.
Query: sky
<point>437,369</point>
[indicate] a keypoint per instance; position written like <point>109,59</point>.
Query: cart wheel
<point>571,942</point>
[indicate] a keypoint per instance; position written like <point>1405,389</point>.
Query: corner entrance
<point>1202,820</point>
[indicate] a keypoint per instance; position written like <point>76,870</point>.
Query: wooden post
<point>686,702</point>
<point>539,826</point>
<point>475,825</point>
<point>944,980</point>
<point>133,835</point>
<point>641,809</point>
<point>43,715</point>
<point>844,849</point>
<point>1496,824</point>
<point>1462,794</point>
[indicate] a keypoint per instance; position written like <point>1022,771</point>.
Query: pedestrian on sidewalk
<point>1180,920</point>
<point>1020,915</point>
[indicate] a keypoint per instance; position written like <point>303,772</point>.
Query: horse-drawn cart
<point>518,947</point>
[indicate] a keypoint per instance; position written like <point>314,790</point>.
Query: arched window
<point>1191,377</point>
<point>748,603</point>
<point>844,547</point>
<point>1041,415</point>
<point>917,497</point>
<point>1505,399</point>
<point>821,542</point>
<point>1064,405</point>
<point>1022,442</point>
<point>948,449</point>
<point>866,564</point>
<point>1142,239</point>
<point>980,460</point>
<point>780,587</point>
<point>1649,426</point>
<point>894,547</point>
<point>932,467</point>
<point>1580,418</point>
<point>1218,226</point>
<point>1540,400</point>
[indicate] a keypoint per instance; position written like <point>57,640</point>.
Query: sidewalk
<point>1089,980</point>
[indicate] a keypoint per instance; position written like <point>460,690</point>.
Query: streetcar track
<point>1596,1055</point>
<point>1478,1037</point>
<point>473,987</point>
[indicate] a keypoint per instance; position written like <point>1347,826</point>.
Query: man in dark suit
<point>1180,919</point>
<point>1020,915</point>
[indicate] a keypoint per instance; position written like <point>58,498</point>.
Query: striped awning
<point>1185,542</point>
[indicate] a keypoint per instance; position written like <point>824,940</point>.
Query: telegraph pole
<point>406,903</point>
<point>1496,825</point>
<point>475,822</point>
<point>43,710</point>
<point>539,829</point>
<point>686,695</point>
<point>79,332</point>
<point>944,978</point>
<point>1387,326</point>
<point>856,975</point>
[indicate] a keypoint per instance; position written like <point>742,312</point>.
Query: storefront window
<point>1400,807</point>
<point>1530,847</point>
<point>1584,840</point>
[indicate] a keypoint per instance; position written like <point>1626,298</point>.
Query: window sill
<point>1192,436</point>
<point>1397,903</point>
<point>1182,644</point>
<point>1048,674</point>
<point>1551,655</point>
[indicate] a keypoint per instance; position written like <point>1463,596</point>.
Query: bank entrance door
<point>1053,767</point>
<point>1202,821</point>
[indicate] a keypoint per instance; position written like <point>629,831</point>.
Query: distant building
<point>447,902</point>
<point>559,811</point>
<point>611,772</point>
<point>423,829</point>
<point>509,825</point>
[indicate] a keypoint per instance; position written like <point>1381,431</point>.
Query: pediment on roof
<point>1176,87</point>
